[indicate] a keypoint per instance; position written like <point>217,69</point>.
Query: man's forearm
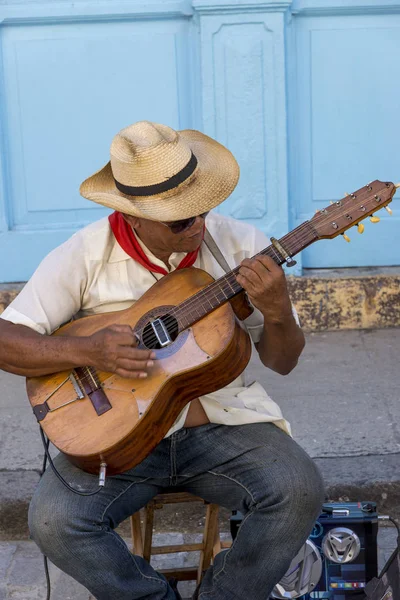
<point>281,345</point>
<point>30,354</point>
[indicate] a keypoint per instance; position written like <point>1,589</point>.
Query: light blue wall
<point>344,98</point>
<point>304,93</point>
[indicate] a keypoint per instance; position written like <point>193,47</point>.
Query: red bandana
<point>127,240</point>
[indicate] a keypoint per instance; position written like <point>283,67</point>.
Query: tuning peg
<point>389,210</point>
<point>346,194</point>
<point>346,237</point>
<point>330,202</point>
<point>360,228</point>
<point>374,219</point>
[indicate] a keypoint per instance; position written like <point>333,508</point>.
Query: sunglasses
<point>183,224</point>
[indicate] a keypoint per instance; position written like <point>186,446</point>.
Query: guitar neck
<point>222,290</point>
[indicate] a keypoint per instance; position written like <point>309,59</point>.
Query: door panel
<point>346,128</point>
<point>67,90</point>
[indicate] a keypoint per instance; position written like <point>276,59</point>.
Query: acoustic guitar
<point>188,319</point>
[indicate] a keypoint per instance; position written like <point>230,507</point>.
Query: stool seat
<point>208,548</point>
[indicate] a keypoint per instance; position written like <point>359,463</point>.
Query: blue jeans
<point>255,468</point>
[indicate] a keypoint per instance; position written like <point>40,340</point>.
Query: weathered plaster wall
<point>346,303</point>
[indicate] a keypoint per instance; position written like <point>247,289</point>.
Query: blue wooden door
<point>73,74</point>
<point>345,128</point>
<point>66,89</point>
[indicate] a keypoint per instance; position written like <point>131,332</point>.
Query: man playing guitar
<point>231,447</point>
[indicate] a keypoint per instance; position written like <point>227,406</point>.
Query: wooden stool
<point>209,547</point>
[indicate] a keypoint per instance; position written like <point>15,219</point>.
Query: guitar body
<point>203,358</point>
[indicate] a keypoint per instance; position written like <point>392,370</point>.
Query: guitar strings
<point>209,294</point>
<point>185,308</point>
<point>298,235</point>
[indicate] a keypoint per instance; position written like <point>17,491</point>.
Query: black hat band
<point>164,186</point>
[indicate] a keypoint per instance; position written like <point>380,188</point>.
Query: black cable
<point>388,518</point>
<point>47,453</point>
<point>46,570</point>
<point>386,566</point>
<point>397,527</point>
<point>47,457</point>
<point>46,564</point>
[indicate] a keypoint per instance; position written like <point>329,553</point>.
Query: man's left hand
<point>265,284</point>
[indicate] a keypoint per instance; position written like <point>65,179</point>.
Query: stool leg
<point>136,530</point>
<point>211,531</point>
<point>148,531</point>
<point>217,544</point>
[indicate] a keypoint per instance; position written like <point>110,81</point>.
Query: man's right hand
<point>114,350</point>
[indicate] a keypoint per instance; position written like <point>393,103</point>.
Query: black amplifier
<point>339,557</point>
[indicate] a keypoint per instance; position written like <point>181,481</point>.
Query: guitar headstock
<point>353,208</point>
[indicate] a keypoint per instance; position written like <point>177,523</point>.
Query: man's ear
<point>133,221</point>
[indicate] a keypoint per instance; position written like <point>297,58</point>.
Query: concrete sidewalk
<point>22,573</point>
<point>342,401</point>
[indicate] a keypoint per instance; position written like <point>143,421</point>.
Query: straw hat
<point>161,174</point>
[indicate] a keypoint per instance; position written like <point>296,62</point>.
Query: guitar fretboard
<point>220,291</point>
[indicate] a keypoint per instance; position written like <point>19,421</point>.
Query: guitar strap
<point>219,257</point>
<point>215,251</point>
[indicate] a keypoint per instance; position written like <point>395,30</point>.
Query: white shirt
<point>90,273</point>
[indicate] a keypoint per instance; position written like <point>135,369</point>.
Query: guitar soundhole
<point>157,337</point>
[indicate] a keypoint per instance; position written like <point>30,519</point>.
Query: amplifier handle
<point>340,512</point>
<point>336,512</point>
